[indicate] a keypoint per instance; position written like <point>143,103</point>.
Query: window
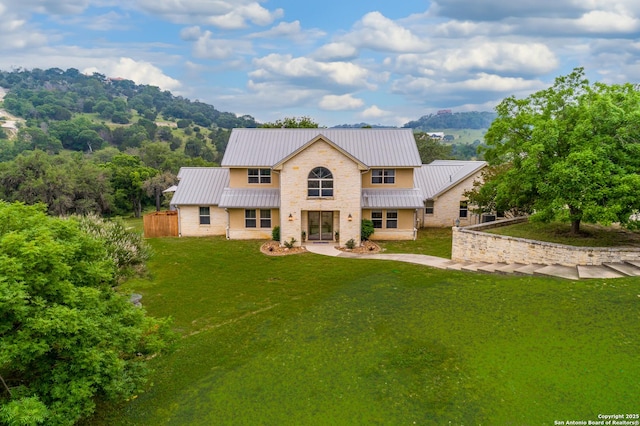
<point>376,218</point>
<point>205,216</point>
<point>250,218</point>
<point>463,209</point>
<point>379,176</point>
<point>392,218</point>
<point>259,175</point>
<point>320,183</point>
<point>265,218</point>
<point>428,207</point>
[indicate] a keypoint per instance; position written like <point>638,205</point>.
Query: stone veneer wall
<point>470,244</point>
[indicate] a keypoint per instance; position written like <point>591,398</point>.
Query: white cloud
<point>191,33</point>
<point>275,66</point>
<point>207,47</point>
<point>139,71</point>
<point>377,32</point>
<point>337,51</point>
<point>224,14</point>
<point>374,112</point>
<point>599,21</point>
<point>340,102</point>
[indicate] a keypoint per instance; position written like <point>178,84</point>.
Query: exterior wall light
<point>290,217</point>
<point>350,218</point>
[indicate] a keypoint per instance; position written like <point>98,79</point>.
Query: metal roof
<point>391,198</point>
<point>373,147</point>
<point>250,198</point>
<point>200,186</point>
<point>437,177</point>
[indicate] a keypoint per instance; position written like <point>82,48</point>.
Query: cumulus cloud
<point>337,51</point>
<point>374,112</point>
<point>191,33</point>
<point>207,47</point>
<point>224,14</point>
<point>340,102</point>
<point>495,10</point>
<point>377,32</point>
<point>275,66</point>
<point>139,71</point>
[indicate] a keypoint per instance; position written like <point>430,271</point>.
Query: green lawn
<point>313,340</point>
<point>560,232</point>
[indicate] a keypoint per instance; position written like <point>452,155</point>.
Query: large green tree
<point>571,152</point>
<point>128,174</point>
<point>68,338</point>
<point>292,122</point>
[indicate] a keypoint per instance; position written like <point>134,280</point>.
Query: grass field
<point>313,340</point>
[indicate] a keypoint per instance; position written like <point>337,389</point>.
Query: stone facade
<point>470,244</point>
<point>446,207</point>
<point>347,187</point>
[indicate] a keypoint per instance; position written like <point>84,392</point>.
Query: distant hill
<point>56,94</point>
<point>455,120</point>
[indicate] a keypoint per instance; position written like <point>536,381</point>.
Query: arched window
<point>320,183</point>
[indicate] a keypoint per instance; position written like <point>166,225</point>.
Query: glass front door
<point>320,226</point>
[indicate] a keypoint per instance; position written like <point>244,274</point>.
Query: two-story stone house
<point>315,184</point>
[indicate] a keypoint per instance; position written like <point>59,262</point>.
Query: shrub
<point>366,229</point>
<point>290,243</point>
<point>351,244</point>
<point>275,233</point>
<point>126,248</point>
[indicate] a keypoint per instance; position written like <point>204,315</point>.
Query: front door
<point>320,226</point>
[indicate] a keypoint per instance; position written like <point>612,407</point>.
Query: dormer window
<point>320,183</point>
<point>259,175</point>
<point>383,176</point>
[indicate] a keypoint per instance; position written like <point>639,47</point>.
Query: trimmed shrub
<point>366,229</point>
<point>275,233</point>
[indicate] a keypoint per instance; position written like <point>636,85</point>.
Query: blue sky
<point>373,61</point>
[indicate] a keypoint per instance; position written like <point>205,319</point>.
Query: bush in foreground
<point>68,338</point>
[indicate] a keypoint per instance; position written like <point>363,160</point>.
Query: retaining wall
<point>470,244</point>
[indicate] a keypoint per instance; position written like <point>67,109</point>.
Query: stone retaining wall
<point>470,244</point>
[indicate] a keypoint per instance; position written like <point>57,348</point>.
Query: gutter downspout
<point>179,222</point>
<point>228,224</point>
<point>415,230</point>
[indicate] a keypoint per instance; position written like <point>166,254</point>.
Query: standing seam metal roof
<point>200,186</point>
<point>373,147</point>
<point>438,176</point>
<point>250,198</point>
<point>391,198</point>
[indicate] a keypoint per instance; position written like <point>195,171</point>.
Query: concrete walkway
<point>609,270</point>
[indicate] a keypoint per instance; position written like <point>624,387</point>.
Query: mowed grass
<point>314,340</point>
<point>430,241</point>
<point>560,232</point>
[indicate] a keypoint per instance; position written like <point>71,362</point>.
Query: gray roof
<point>200,186</point>
<point>391,198</point>
<point>439,176</point>
<point>373,147</point>
<point>250,198</point>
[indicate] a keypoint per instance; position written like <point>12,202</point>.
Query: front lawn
<point>314,340</point>
<point>431,241</point>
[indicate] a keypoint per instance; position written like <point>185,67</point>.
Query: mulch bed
<point>273,248</point>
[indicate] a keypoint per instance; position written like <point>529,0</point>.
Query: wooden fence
<point>161,224</point>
